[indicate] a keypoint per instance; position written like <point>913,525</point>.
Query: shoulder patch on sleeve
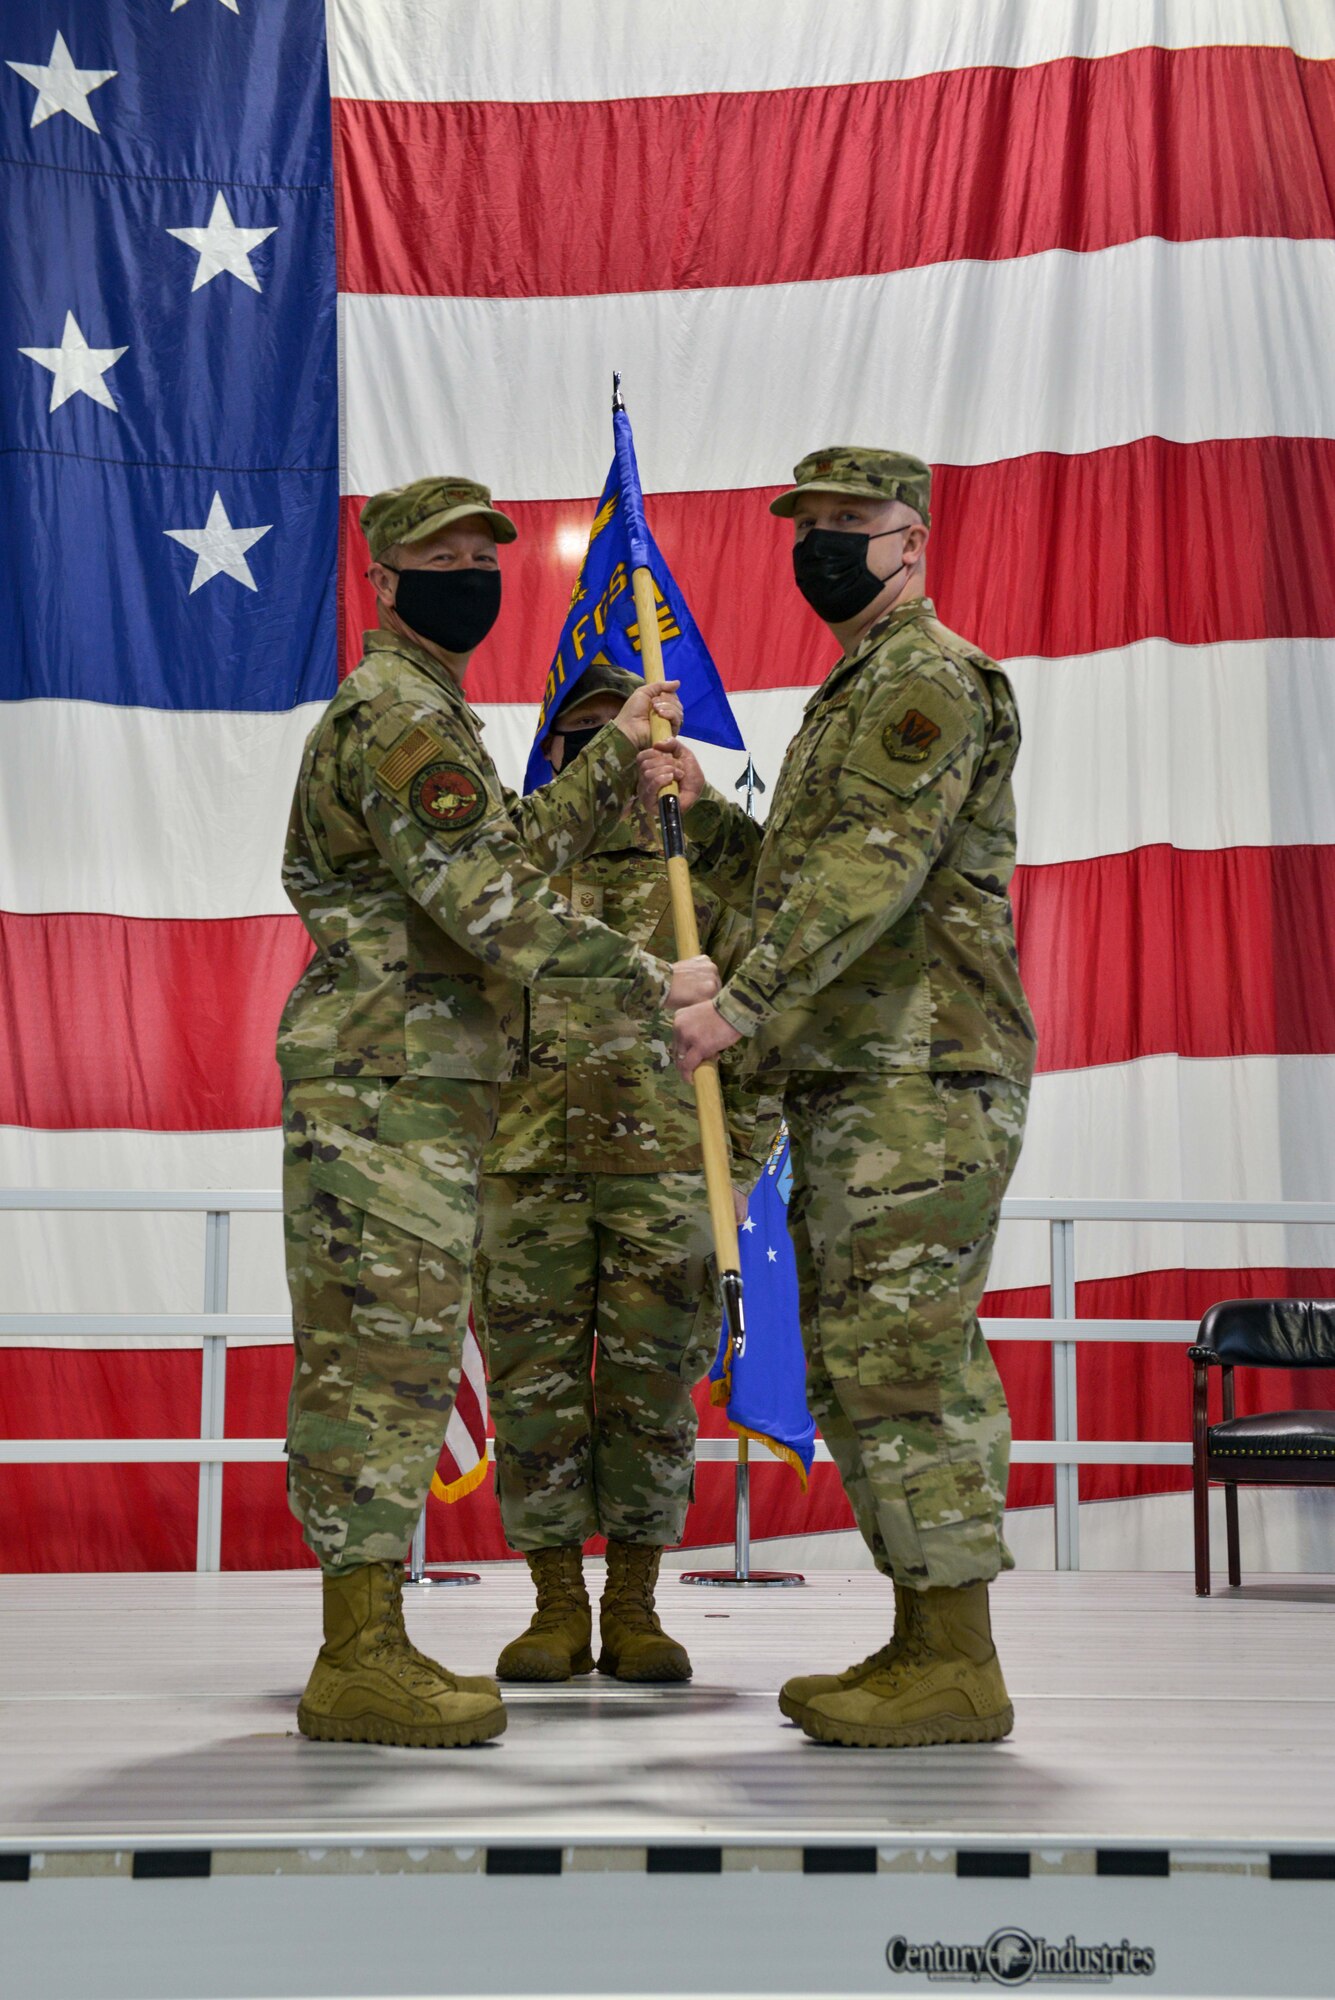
<point>922,730</point>
<point>909,737</point>
<point>407,757</point>
<point>447,797</point>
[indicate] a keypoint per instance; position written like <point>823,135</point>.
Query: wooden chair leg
<point>1234,1549</point>
<point>1200,1485</point>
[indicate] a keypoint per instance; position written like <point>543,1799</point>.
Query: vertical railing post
<point>1065,1406</point>
<point>213,1391</point>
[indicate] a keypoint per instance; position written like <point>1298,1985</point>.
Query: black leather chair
<point>1278,1448</point>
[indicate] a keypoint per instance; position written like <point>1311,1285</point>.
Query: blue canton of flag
<point>601,623</point>
<point>765,1389</point>
<point>169,427</point>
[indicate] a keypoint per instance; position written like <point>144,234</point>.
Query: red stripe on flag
<point>1227,952</point>
<point>662,193</point>
<point>1045,554</point>
<point>1125,955</point>
<point>118,1022</point>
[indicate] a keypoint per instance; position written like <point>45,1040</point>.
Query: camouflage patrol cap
<point>411,513</point>
<point>600,678</point>
<point>863,471</point>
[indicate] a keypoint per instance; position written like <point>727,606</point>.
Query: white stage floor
<point>166,1835</point>
<point>139,1710</point>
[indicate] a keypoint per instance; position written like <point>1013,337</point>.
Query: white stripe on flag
<point>1189,746</point>
<point>980,361</point>
<point>1193,746</point>
<point>461,1446</point>
<point>474,1369</point>
<point>1161,1128</point>
<point>161,814</point>
<point>511,51</point>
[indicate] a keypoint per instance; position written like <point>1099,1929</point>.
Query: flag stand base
<point>415,1570</point>
<point>753,1579</point>
<point>741,1575</point>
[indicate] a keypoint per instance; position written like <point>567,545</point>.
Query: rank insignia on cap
<point>910,737</point>
<point>447,797</point>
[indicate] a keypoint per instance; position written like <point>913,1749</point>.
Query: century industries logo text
<point>1012,1957</point>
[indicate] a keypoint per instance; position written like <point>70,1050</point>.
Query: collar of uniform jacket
<point>390,642</point>
<point>898,615</point>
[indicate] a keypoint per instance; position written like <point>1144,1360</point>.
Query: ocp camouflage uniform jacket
<point>601,1096</point>
<point>425,884</point>
<point>882,936</point>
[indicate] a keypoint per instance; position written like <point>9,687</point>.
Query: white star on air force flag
<point>230,5</point>
<point>77,368</point>
<point>749,1224</point>
<point>219,548</point>
<point>223,246</point>
<point>62,87</point>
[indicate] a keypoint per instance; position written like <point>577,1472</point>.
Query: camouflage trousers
<point>380,1181</point>
<point>897,1187</point>
<point>596,1314</point>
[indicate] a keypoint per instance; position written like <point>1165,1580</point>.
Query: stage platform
<point>1170,1786</point>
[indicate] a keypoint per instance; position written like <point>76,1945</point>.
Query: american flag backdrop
<point>259,258</point>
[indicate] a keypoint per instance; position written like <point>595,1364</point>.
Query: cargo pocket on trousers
<point>329,1444</point>
<point>907,1320</point>
<point>417,1234</point>
<point>956,1517</point>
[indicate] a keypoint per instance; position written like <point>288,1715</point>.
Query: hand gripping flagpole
<point>708,1094</point>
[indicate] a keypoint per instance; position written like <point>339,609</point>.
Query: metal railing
<point>215,1326</point>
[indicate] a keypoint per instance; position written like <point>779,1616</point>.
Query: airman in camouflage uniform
<point>424,887</point>
<point>882,989</point>
<point>594,1243</point>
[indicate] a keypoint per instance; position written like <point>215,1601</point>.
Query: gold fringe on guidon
<point>458,1488</point>
<point>718,1395</point>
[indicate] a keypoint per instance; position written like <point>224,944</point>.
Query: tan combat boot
<point>369,1684</point>
<point>798,1691</point>
<point>945,1686</point>
<point>558,1642</point>
<point>635,1646</point>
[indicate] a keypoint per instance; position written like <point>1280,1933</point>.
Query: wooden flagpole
<point>708,1094</point>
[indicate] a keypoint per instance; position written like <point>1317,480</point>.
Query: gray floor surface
<point>137,1710</point>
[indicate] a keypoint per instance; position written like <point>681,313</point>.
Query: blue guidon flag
<point>601,623</point>
<point>764,1388</point>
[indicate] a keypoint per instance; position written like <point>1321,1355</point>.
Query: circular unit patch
<point>448,797</point>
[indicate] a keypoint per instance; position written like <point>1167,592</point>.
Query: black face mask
<point>830,565</point>
<point>453,608</point>
<point>576,741</point>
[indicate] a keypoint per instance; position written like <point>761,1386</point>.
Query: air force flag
<point>601,622</point>
<point>764,1390</point>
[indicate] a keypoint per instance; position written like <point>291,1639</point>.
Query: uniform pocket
<point>417,1237</point>
<point>380,1181</point>
<point>957,1518</point>
<point>907,1307</point>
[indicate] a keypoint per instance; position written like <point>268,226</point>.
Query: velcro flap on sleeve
<point>382,1182</point>
<point>911,738</point>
